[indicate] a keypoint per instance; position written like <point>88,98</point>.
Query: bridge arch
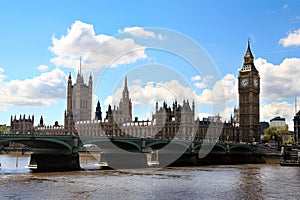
<point>131,143</point>
<point>162,143</point>
<point>241,148</point>
<point>217,148</point>
<point>109,143</point>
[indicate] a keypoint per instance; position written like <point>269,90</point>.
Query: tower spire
<point>80,66</point>
<point>125,82</point>
<point>125,105</point>
<point>125,90</point>
<point>296,105</point>
<point>248,58</point>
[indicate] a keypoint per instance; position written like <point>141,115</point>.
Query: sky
<point>169,50</point>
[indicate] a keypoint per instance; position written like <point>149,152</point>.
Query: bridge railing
<point>33,134</point>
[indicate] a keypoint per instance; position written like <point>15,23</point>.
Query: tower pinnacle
<point>125,82</point>
<point>248,58</point>
<point>80,66</point>
<point>125,90</point>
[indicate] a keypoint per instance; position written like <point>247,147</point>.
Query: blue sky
<point>35,57</point>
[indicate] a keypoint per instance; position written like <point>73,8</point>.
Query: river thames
<point>209,182</point>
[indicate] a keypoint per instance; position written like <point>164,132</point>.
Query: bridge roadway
<point>60,152</point>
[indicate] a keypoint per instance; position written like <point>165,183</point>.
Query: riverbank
<point>272,158</point>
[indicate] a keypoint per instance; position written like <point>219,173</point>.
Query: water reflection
<point>249,184</point>
<point>14,163</point>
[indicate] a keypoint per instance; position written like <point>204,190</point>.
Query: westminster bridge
<point>60,152</point>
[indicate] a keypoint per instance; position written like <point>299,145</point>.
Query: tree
<point>289,141</point>
<point>3,129</point>
<point>275,133</point>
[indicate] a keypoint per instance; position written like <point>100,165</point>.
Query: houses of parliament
<point>168,121</point>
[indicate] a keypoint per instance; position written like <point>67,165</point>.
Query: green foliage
<point>3,129</point>
<point>266,138</point>
<point>275,133</point>
<point>289,141</point>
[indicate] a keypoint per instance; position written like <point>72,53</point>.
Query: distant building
<point>79,102</point>
<point>297,127</point>
<point>168,122</point>
<point>22,125</point>
<point>236,116</point>
<point>52,129</point>
<point>98,113</point>
<point>249,91</point>
<point>116,122</point>
<point>277,121</point>
<point>215,118</point>
<point>79,107</point>
<point>122,113</point>
<point>263,126</point>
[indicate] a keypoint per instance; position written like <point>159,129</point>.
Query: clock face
<point>255,82</point>
<point>244,82</point>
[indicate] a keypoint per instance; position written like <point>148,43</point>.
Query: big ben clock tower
<point>249,89</point>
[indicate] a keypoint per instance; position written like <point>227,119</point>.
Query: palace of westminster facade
<point>168,122</point>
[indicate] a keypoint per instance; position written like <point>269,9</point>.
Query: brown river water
<point>207,182</point>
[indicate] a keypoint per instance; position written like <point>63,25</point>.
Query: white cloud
<point>43,67</point>
<point>296,19</point>
<point>109,101</point>
<point>199,85</point>
<point>282,109</point>
<point>271,110</point>
<point>279,82</point>
<point>2,76</point>
<point>202,115</point>
<point>226,114</point>
<point>200,82</point>
<point>152,92</point>
<point>2,94</point>
<point>196,78</point>
<point>42,90</point>
<point>140,32</point>
<point>293,39</point>
<point>224,91</point>
<point>97,51</point>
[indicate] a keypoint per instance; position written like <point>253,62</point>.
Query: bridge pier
<point>54,162</point>
<point>118,160</point>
